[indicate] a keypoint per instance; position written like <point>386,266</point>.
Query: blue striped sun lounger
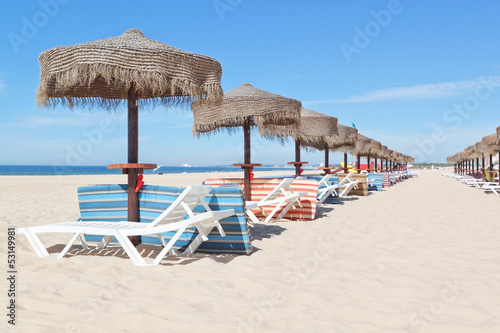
<point>110,202</point>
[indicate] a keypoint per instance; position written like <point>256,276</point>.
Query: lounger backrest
<point>282,187</point>
<point>347,179</point>
<point>186,202</point>
<point>325,181</point>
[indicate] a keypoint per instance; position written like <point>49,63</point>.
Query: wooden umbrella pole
<point>327,156</point>
<point>297,157</point>
<point>368,167</point>
<point>133,157</point>
<point>246,134</point>
<point>358,164</point>
<point>345,162</point>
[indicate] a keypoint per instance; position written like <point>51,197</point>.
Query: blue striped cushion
<point>109,203</point>
<point>377,181</point>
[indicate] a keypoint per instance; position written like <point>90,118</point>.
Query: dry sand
<point>422,256</point>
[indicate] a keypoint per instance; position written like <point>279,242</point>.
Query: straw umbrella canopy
<point>364,146</point>
<point>491,146</point>
<point>129,68</point>
<point>347,138</point>
<point>311,130</point>
<point>244,106</point>
<point>498,135</point>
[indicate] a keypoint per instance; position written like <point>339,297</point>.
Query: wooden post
<point>358,164</point>
<point>375,164</point>
<point>246,134</point>
<point>297,157</point>
<point>345,162</point>
<point>327,156</point>
<point>133,157</point>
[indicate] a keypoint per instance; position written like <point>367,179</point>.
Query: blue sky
<point>422,77</point>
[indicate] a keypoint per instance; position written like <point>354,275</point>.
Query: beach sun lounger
<point>177,217</point>
<point>492,188</point>
<point>344,187</point>
<point>281,197</point>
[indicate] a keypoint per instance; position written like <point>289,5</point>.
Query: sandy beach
<point>422,256</point>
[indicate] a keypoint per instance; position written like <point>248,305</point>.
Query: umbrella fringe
<point>229,123</point>
<point>106,85</point>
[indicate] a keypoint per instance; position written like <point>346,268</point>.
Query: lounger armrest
<point>251,204</point>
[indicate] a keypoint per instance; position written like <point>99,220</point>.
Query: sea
<point>47,170</point>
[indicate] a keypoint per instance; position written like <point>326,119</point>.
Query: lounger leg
<point>83,242</point>
<point>203,232</point>
<point>268,218</point>
<point>163,243</point>
<point>35,242</point>
<point>104,242</point>
<point>68,246</point>
<point>285,210</point>
<point>170,244</point>
<point>130,249</point>
<point>252,216</point>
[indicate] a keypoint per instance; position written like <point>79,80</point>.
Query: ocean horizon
<point>57,170</point>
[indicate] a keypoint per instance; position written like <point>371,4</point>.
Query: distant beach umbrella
<point>129,67</point>
<point>363,146</point>
<point>346,137</point>
<point>245,106</point>
<point>491,146</point>
<point>311,130</point>
<point>490,143</point>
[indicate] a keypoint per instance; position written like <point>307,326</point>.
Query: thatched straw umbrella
<point>480,151</point>
<point>491,147</point>
<point>129,67</point>
<point>364,146</point>
<point>244,106</point>
<point>311,130</point>
<point>347,138</point>
<point>498,135</point>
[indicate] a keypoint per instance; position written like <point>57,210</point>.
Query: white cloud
<point>425,91</point>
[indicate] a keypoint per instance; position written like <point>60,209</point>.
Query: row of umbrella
<point>279,118</point>
<point>468,159</point>
<point>142,71</point>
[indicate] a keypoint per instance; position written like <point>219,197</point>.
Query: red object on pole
<point>139,183</point>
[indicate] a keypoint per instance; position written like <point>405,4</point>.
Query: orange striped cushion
<point>260,187</point>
